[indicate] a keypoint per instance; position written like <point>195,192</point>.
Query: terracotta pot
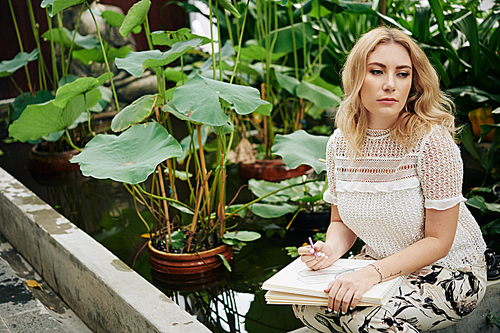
<point>272,170</point>
<point>178,267</point>
<point>46,163</point>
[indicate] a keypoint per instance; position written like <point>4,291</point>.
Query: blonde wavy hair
<point>426,104</point>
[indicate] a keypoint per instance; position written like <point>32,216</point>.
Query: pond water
<point>105,210</point>
<point>234,302</point>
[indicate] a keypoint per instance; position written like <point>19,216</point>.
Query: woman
<point>395,177</point>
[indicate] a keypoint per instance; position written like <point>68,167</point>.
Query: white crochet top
<point>382,195</point>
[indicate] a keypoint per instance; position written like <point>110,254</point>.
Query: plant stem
<point>294,43</point>
<point>105,58</point>
<point>15,85</point>
<point>203,165</point>
<point>73,41</point>
<point>41,74</point>
<point>212,37</point>
<point>240,39</point>
<point>20,45</point>
<point>71,141</point>
<point>61,44</point>
<point>148,33</point>
<point>52,52</point>
<point>165,207</point>
<point>151,195</point>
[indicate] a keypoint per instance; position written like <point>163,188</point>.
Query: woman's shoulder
<point>438,139</point>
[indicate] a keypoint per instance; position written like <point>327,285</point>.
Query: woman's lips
<point>387,101</point>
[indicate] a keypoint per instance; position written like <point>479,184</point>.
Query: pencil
<point>312,247</point>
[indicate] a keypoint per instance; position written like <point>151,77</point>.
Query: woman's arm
<point>440,227</point>
<point>339,239</point>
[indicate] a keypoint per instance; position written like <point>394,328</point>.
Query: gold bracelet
<point>378,271</point>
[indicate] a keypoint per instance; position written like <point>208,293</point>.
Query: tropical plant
<point>148,159</point>
<point>57,117</point>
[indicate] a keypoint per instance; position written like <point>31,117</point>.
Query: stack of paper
<point>297,284</point>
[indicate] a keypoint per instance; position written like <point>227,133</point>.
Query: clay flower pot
<point>188,266</point>
<point>271,170</point>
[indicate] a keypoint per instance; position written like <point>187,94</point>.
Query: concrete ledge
<point>104,292</point>
<point>475,322</point>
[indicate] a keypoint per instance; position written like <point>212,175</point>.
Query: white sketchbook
<point>297,284</point>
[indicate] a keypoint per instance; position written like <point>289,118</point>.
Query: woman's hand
<point>324,252</point>
<point>345,292</point>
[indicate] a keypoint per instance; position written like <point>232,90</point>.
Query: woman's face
<point>387,83</point>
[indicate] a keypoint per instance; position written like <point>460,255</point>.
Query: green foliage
<point>8,67</point>
<point>136,112</point>
<point>136,15</point>
<point>301,148</point>
<point>130,157</point>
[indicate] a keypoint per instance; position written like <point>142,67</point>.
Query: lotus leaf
<point>263,187</point>
<point>242,236</point>
<point>115,19</point>
<point>39,120</point>
<point>174,75</point>
<point>169,38</point>
<point>136,112</point>
<point>106,97</point>
<point>95,54</point>
<point>288,83</point>
<point>200,99</point>
<point>78,87</point>
<point>301,148</point>
<point>268,211</point>
<point>8,67</point>
<point>136,62</point>
<point>321,97</point>
<point>136,15</point>
<point>130,157</point>
<point>59,5</point>
<point>23,100</point>
<point>178,239</point>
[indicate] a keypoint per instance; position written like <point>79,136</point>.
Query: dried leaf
<point>33,284</point>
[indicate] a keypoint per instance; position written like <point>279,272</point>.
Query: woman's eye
<point>376,72</point>
<point>404,74</point>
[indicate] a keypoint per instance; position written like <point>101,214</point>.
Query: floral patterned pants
<point>431,298</point>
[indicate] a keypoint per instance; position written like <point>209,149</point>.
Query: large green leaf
<point>8,67</point>
<point>169,38</point>
<point>242,236</point>
<point>134,113</point>
<point>78,87</point>
<point>137,62</point>
<point>65,37</point>
<point>321,97</point>
<point>115,19</point>
<point>301,148</point>
<point>200,99</point>
<point>268,211</point>
<point>96,54</point>
<point>59,5</point>
<point>135,16</point>
<point>23,100</point>
<point>130,157</point>
<point>289,83</point>
<point>468,25</point>
<point>263,187</point>
<point>39,120</point>
<point>284,41</point>
<point>252,51</point>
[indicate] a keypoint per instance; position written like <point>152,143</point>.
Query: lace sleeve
<point>441,170</point>
<point>330,194</point>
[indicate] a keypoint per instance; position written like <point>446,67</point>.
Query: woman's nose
<point>389,85</point>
